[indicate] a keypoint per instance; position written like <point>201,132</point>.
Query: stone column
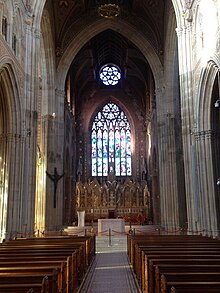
<point>10,190</point>
<point>55,155</point>
<point>207,212</point>
<point>184,34</point>
<point>32,42</point>
<point>13,192</point>
<point>167,162</point>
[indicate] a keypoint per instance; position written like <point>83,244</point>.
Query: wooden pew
<point>88,241</point>
<point>49,250</point>
<point>30,279</point>
<point>163,269</point>
<point>171,254</point>
<point>41,287</point>
<point>187,277</point>
<point>189,286</point>
<point>174,250</point>
<point>53,249</point>
<point>149,280</point>
<point>168,240</point>
<point>168,248</point>
<point>163,239</point>
<point>62,267</point>
<point>71,275</point>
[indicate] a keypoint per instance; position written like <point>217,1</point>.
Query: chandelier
<point>109,9</point>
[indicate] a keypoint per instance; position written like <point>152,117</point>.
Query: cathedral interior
<point>112,108</point>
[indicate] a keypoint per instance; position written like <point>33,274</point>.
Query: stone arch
<point>10,82</point>
<point>37,7</point>
<point>47,68</point>
<point>93,114</point>
<point>11,149</point>
<point>207,147</point>
<point>181,8</point>
<point>93,108</point>
<point>103,102</point>
<point>97,27</point>
<point>203,103</point>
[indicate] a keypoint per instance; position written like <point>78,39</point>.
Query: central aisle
<point>110,271</point>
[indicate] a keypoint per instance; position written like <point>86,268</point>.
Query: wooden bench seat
<point>41,287</point>
<point>49,250</point>
<point>175,250</point>
<point>24,262</point>
<point>169,242</point>
<point>149,272</point>
<point>158,239</point>
<point>144,265</point>
<point>70,273</point>
<point>88,241</point>
<point>180,268</point>
<point>186,277</point>
<point>149,253</point>
<point>191,287</point>
<point>77,262</point>
<point>24,277</point>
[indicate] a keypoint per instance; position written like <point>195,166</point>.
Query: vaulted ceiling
<point>71,16</point>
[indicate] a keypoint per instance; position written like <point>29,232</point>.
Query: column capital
<point>184,29</point>
<point>15,137</point>
<point>60,93</point>
<point>205,134</point>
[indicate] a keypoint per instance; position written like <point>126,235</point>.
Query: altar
<point>113,224</point>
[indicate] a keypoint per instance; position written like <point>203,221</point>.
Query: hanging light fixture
<point>109,8</point>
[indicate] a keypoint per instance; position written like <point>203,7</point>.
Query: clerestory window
<point>4,27</point>
<point>111,142</point>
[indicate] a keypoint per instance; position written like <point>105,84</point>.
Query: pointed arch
<point>97,27</point>
<point>204,98</point>
<point>10,148</point>
<point>12,104</point>
<point>111,144</point>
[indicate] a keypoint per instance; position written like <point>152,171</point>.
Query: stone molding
<point>11,137</point>
<point>205,134</point>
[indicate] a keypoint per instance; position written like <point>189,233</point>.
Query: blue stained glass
<point>105,166</point>
<point>117,166</point>
<point>111,142</point>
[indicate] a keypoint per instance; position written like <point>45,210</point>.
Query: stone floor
<point>110,271</point>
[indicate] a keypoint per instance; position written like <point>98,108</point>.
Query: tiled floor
<point>110,271</point>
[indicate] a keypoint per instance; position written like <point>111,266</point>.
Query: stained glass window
<point>111,142</point>
<point>110,74</point>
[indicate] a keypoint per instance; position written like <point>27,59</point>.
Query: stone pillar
<point>207,212</point>
<point>55,155</point>
<point>167,162</point>
<point>32,45</point>
<point>81,218</point>
<point>13,194</point>
<point>184,34</point>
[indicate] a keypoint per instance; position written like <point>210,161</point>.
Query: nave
<point>140,262</point>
